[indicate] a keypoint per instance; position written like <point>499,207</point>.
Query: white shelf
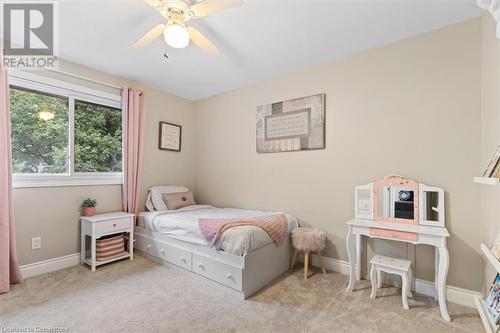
<point>489,327</point>
<point>487,180</point>
<point>491,257</point>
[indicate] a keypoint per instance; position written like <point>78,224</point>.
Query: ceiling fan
<point>178,13</point>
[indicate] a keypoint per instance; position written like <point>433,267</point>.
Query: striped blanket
<point>276,227</point>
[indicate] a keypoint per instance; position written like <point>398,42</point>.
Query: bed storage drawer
<point>223,273</point>
<point>174,255</point>
<point>146,245</point>
<point>164,251</point>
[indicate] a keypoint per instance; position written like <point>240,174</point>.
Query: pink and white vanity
<point>396,208</point>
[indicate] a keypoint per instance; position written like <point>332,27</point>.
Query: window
<point>98,138</point>
<point>39,132</point>
<point>63,134</point>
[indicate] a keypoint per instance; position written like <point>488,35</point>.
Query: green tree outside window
<point>40,134</point>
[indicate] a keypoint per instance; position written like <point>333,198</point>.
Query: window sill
<point>31,181</point>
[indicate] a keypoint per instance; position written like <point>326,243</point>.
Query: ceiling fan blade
<point>150,36</point>
<point>211,6</point>
<point>159,6</point>
<point>202,42</point>
<point>154,3</point>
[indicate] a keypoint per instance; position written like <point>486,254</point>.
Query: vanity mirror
<point>363,201</point>
<point>431,206</point>
<point>396,200</point>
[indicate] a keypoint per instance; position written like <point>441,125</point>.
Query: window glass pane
<point>98,138</point>
<point>39,132</point>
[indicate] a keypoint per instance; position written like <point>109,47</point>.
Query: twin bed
<point>244,259</point>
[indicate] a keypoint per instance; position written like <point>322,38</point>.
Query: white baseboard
<point>331,264</point>
<point>50,265</point>
<point>453,294</point>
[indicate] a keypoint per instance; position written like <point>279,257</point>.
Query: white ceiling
<point>260,40</point>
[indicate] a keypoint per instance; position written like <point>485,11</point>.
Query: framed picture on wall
<point>292,125</point>
<point>170,136</point>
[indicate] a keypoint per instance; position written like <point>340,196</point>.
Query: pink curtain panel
<point>133,142</point>
<point>9,268</point>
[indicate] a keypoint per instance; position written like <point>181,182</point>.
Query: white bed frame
<point>241,275</point>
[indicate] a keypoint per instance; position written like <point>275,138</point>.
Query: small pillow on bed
<point>155,200</point>
<point>178,200</point>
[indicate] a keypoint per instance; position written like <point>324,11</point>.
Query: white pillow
<point>155,194</point>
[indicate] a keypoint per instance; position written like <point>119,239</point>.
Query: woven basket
<point>110,247</point>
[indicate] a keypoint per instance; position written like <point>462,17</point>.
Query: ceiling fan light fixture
<point>176,35</point>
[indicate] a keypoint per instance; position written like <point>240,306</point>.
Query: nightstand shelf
<point>88,261</point>
<point>97,226</point>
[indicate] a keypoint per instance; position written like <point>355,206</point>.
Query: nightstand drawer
<point>109,226</point>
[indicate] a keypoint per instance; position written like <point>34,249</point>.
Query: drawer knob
<point>229,276</point>
<point>114,224</point>
<point>183,259</point>
<point>201,266</point>
<point>149,246</point>
<point>162,251</point>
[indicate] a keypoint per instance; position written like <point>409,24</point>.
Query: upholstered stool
<point>309,241</point>
<point>390,265</point>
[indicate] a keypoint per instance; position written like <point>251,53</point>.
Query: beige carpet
<point>143,296</point>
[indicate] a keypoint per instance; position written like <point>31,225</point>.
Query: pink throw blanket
<point>276,227</point>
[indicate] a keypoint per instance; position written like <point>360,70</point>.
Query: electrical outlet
<point>36,243</point>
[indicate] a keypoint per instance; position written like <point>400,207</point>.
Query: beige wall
<point>490,136</point>
<point>53,213</point>
<point>410,108</point>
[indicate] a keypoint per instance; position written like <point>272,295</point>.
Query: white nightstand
<point>101,225</point>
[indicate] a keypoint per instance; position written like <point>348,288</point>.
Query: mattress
<point>140,219</point>
<point>182,224</point>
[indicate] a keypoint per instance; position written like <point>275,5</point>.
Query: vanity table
<point>395,208</point>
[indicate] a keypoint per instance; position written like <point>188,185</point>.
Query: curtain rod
<point>86,79</point>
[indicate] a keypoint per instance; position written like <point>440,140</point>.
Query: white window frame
<point>72,92</point>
